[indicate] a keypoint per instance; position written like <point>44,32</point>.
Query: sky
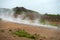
<point>41,6</point>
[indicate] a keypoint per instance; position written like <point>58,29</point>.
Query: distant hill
<point>27,13</point>
<point>30,15</point>
<point>51,19</point>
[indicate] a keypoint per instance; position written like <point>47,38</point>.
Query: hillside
<point>52,19</point>
<point>30,14</point>
<point>21,14</point>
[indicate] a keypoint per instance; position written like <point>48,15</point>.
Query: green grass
<point>22,33</point>
<point>53,24</point>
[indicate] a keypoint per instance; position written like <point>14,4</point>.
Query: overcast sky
<point>41,6</point>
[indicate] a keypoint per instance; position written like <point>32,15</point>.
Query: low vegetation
<point>23,33</point>
<point>42,21</point>
<point>53,24</point>
<point>1,30</point>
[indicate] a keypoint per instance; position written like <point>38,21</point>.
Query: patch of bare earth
<point>49,34</point>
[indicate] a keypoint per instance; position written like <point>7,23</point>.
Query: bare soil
<point>49,34</point>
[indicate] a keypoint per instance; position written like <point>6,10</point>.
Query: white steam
<point>8,15</point>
